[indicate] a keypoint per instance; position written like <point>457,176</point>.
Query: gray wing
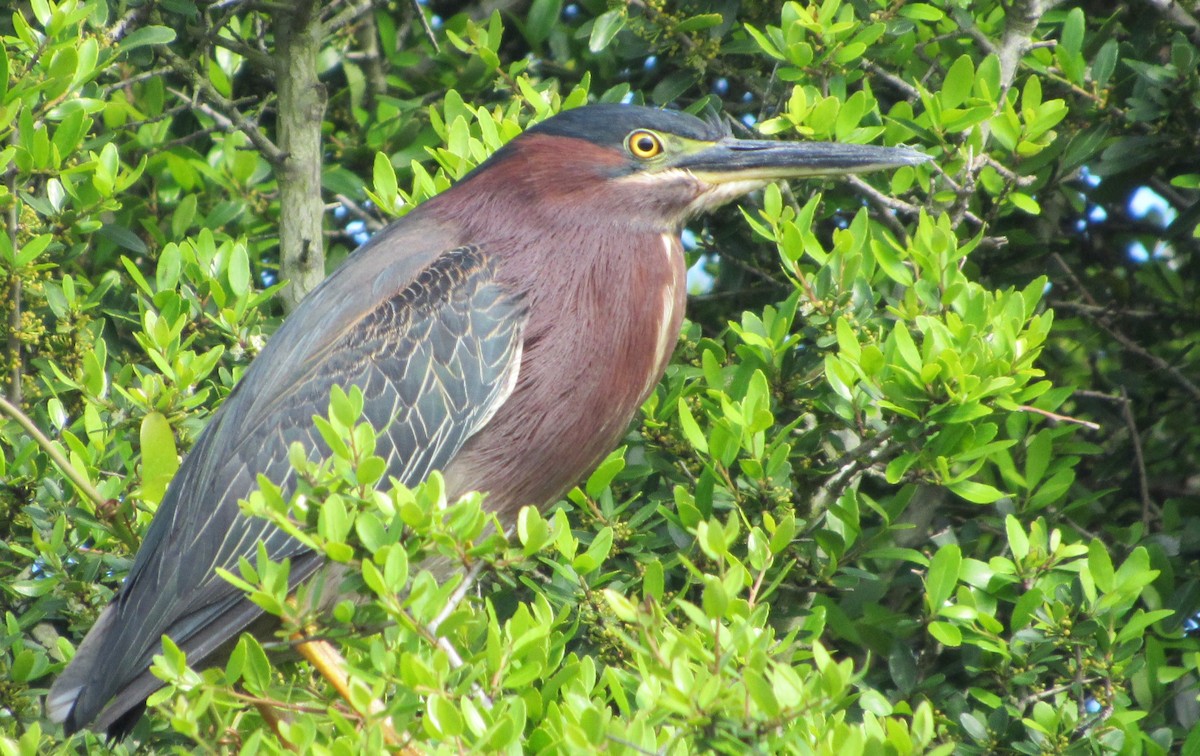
<point>434,362</point>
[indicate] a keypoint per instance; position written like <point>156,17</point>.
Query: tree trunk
<point>301,109</point>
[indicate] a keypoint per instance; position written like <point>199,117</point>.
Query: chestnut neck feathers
<point>605,287</point>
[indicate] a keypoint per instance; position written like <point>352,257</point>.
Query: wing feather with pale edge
<point>434,363</point>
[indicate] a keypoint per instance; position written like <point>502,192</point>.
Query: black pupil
<point>645,144</point>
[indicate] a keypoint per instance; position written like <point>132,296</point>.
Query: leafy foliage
<point>919,479</point>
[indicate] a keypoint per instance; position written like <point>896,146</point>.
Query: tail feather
<point>69,700</point>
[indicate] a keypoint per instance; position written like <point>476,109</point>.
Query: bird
<point>504,332</point>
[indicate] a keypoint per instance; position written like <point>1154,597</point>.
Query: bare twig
<point>852,464</point>
<point>1138,459</point>
<point>456,598</point>
<point>1097,311</point>
<point>1177,15</point>
<point>1126,342</point>
<point>348,16</point>
<point>886,202</point>
<point>259,58</point>
<point>352,207</point>
<point>1007,173</point>
<point>1042,695</point>
<point>271,716</point>
<point>1059,418</point>
<point>420,13</point>
<point>908,90</point>
<point>128,22</point>
<point>129,81</point>
<point>332,666</point>
<point>219,103</point>
<point>444,643</point>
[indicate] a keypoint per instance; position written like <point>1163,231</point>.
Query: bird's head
<point>656,168</point>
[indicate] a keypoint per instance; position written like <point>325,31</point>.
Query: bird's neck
<point>605,307</point>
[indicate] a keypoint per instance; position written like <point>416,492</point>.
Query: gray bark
<point>301,109</point>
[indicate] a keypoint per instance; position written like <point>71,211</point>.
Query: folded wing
<point>434,360</point>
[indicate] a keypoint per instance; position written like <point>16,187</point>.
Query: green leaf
<point>946,633</point>
<point>239,271</point>
<point>147,35</point>
<point>942,576</point>
<point>979,493</point>
<point>714,599</point>
<point>921,12</point>
<point>1037,458</point>
<point>442,718</point>
<point>599,480</point>
<point>123,238</point>
<point>699,22</point>
<point>1018,542</point>
<point>160,459</point>
<point>847,341</point>
<point>652,580</point>
<point>1101,567</point>
<point>543,15</point>
<point>32,249</point>
<point>691,430</point>
<point>590,560</point>
<point>1134,626</point>
<point>958,82</point>
<point>532,530</point>
<point>1105,63</point>
<point>785,531</point>
<point>1024,609</point>
<point>384,179</point>
<point>906,347</point>
<point>395,568</point>
<point>1071,40</point>
<point>604,28</point>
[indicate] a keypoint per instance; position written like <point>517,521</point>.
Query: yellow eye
<point>644,144</point>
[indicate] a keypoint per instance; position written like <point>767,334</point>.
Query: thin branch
<point>85,487</point>
<point>126,23</point>
<point>852,463</point>
<point>1059,418</point>
<point>886,202</point>
<point>222,4</point>
<point>1126,342</point>
<point>261,59</point>
<point>908,90</point>
<point>220,103</point>
<point>348,16</point>
<point>1006,172</point>
<point>1138,459</point>
<point>332,666</point>
<point>456,598</point>
<point>271,717</point>
<point>1042,695</point>
<point>131,80</point>
<point>1177,15</point>
<point>79,479</point>
<point>12,355</point>
<point>1020,24</point>
<point>352,207</point>
<point>1098,311</point>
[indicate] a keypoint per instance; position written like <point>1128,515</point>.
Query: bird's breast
<point>596,345</point>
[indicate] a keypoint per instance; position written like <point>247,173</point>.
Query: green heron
<point>504,332</point>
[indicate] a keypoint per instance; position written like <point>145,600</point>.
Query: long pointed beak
<point>757,160</point>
